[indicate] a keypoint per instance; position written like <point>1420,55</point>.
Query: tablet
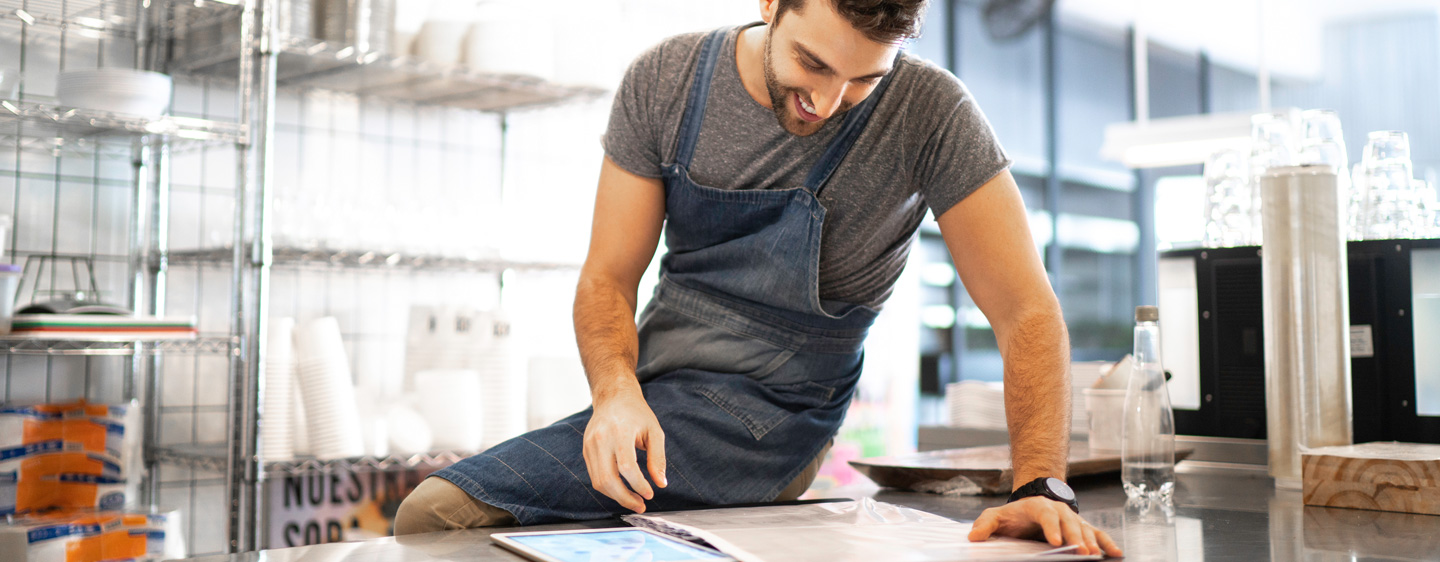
<point>597,545</point>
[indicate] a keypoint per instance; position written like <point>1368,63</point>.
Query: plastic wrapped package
<point>12,459</point>
<point>76,480</point>
<point>99,428</point>
<point>37,541</point>
<point>91,536</point>
<point>74,455</point>
<point>13,421</point>
<point>1306,312</point>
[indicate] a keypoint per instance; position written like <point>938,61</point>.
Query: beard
<point>780,101</point>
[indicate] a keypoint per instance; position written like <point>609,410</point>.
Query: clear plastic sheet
<point>859,531</point>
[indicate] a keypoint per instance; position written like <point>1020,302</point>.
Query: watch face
<point>1059,489</point>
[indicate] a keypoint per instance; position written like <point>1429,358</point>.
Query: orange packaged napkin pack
<point>90,536</point>
<point>69,456</point>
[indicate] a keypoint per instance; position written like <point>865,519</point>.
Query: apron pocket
<point>809,394</point>
<point>671,341</point>
<point>761,408</point>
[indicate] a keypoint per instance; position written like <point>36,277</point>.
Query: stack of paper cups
<point>277,425</point>
<point>1307,317</point>
<point>502,383</point>
<point>327,390</point>
<point>297,420</point>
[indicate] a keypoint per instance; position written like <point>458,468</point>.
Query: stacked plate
<point>976,404</point>
<point>328,393</point>
<point>277,426</point>
<point>116,90</point>
<point>445,338</point>
<point>452,407</point>
<point>557,389</point>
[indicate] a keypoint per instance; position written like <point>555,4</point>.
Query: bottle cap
<point>1147,314</point>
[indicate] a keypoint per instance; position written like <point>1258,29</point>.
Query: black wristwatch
<point>1052,488</point>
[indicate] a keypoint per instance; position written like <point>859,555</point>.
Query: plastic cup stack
<point>502,384</point>
<point>327,391</point>
<point>277,430</point>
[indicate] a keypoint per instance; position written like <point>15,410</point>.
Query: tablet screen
<point>613,546</point>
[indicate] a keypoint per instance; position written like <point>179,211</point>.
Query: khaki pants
<point>438,505</point>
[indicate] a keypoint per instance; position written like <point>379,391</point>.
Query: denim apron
<point>747,370</point>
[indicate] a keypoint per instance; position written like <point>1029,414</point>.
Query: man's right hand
<point>619,425</point>
<point>629,212</point>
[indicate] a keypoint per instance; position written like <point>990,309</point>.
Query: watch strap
<point>1039,487</point>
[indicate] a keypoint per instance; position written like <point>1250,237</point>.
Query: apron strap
<point>849,132</point>
<point>699,92</point>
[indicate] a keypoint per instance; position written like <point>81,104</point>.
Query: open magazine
<point>864,530</point>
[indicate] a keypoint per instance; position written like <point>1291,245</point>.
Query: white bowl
<point>510,47</point>
<point>116,90</point>
<point>439,41</point>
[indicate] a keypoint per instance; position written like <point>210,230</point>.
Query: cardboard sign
<point>326,507</point>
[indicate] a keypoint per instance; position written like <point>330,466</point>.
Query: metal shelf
<point>106,18</point>
<point>311,64</point>
<point>53,128</point>
<point>214,457</point>
<point>363,259</point>
<point>365,464</point>
<point>109,18</point>
<point>20,345</point>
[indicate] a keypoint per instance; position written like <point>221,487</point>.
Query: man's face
<point>818,66</point>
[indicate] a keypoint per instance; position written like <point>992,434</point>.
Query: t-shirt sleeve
<point>632,138</point>
<point>961,153</point>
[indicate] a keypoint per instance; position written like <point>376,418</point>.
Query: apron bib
<point>747,370</point>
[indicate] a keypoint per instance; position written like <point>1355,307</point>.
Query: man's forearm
<point>1036,351</point>
<point>605,334</point>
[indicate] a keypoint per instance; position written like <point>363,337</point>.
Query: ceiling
<point>1230,30</point>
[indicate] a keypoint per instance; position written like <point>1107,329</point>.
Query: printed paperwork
<point>860,531</point>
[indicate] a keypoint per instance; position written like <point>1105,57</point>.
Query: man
<point>790,164</point>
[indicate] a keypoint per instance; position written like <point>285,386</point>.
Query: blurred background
<point>355,207</point>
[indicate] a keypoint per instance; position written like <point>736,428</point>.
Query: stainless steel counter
<point>1221,513</point>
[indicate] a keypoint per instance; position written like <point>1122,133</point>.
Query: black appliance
<point>1214,340</point>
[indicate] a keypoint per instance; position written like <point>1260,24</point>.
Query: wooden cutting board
<point>1402,477</point>
<point>976,470</point>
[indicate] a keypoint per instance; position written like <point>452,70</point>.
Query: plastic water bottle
<point>1147,445</point>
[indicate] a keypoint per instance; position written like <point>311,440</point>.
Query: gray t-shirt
<point>927,144</point>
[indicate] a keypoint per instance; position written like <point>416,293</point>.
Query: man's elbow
<point>596,284</point>
<point>1040,309</point>
<point>1038,325</point>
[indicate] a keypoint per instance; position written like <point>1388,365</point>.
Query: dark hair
<point>883,21</point>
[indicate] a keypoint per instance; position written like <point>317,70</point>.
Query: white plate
<point>116,90</point>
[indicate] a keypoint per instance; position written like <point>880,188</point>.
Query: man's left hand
<point>1037,518</point>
